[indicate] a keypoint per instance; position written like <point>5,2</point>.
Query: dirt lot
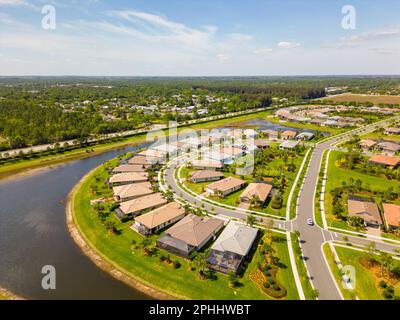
<point>346,97</point>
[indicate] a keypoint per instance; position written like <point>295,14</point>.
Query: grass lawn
<point>181,282</point>
<point>367,282</point>
<point>301,268</point>
<point>337,175</point>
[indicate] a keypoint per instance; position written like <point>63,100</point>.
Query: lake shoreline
<point>107,266</point>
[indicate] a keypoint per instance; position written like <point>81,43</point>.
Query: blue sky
<point>199,38</point>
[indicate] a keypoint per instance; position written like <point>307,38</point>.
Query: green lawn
<point>366,287</point>
<point>301,268</point>
<point>335,177</point>
<point>180,282</point>
<point>381,136</point>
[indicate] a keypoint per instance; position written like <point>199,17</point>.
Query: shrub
<point>267,273</point>
<point>276,287</point>
<point>266,285</point>
<point>271,281</point>
<point>177,264</point>
<point>382,284</point>
<point>387,295</point>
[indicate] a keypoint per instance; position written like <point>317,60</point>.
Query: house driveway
<point>244,205</point>
<point>373,231</point>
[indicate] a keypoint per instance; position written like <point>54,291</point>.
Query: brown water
<point>33,233</point>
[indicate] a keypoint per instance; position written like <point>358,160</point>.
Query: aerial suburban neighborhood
<point>200,159</point>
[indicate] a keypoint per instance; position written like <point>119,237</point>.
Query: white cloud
<point>241,37</point>
<point>12,2</point>
<point>288,45</point>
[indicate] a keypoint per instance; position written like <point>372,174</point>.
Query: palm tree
<point>251,219</point>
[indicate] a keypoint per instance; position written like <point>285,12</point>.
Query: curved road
<point>312,237</point>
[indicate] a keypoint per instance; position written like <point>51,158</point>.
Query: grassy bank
<point>366,280</point>
<point>183,282</point>
<point>18,165</point>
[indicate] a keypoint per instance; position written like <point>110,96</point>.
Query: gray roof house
<point>232,247</point>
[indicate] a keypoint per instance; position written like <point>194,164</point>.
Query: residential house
<point>306,136</point>
<point>132,191</point>
<point>158,219</point>
<point>136,206</point>
<point>130,168</point>
<point>142,161</point>
<point>260,191</point>
<point>389,148</point>
<point>392,131</point>
<point>190,234</point>
<point>289,145</point>
<point>232,248</point>
<point>153,156</point>
<point>386,161</point>
<point>367,144</point>
<point>261,144</point>
<point>289,135</point>
<point>271,134</point>
<point>207,165</point>
<point>226,186</point>
<point>127,178</point>
<point>216,155</point>
<point>367,210</point>
<point>392,215</point>
<point>205,176</point>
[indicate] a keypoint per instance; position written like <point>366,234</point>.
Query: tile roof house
<point>131,191</point>
<point>367,144</point>
<point>225,186</point>
<point>206,164</point>
<point>260,190</point>
<point>158,219</point>
<point>289,145</point>
<point>367,210</point>
<point>232,247</point>
<point>386,161</point>
<point>305,136</point>
<point>120,179</point>
<point>288,134</point>
<point>271,134</point>
<point>392,131</point>
<point>261,144</point>
<point>130,168</point>
<point>389,148</point>
<point>153,156</point>
<point>136,206</point>
<point>392,215</point>
<point>143,161</point>
<point>205,175</point>
<point>189,234</point>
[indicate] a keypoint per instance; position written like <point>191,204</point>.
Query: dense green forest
<point>39,110</point>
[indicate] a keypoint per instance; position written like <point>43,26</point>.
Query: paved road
<point>312,238</point>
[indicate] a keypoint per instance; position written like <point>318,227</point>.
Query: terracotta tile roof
<point>151,153</point>
<point>385,160</point>
<point>142,203</point>
<point>194,230</point>
<point>226,184</point>
<point>139,160</point>
<point>289,134</point>
<point>204,174</point>
<point>161,215</point>
<point>392,214</point>
<point>130,168</point>
<point>261,143</point>
<point>262,190</point>
<point>129,177</point>
<point>207,163</point>
<point>133,190</point>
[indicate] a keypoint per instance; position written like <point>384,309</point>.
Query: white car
<point>310,222</point>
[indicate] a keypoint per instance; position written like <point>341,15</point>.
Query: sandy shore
<point>101,262</point>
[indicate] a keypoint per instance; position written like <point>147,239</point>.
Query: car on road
<point>310,222</point>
